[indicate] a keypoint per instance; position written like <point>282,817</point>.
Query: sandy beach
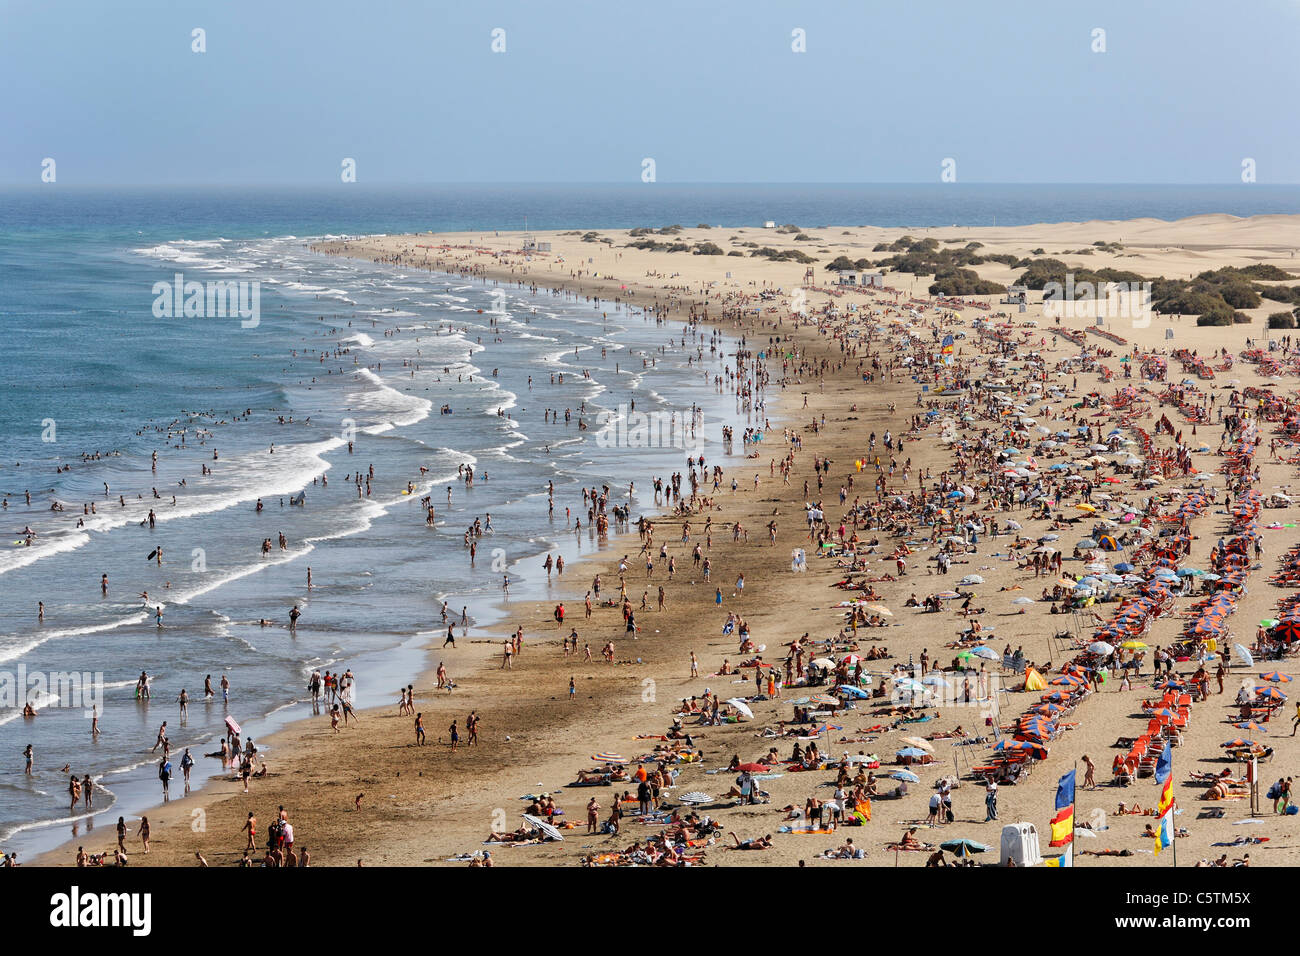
<point>371,794</point>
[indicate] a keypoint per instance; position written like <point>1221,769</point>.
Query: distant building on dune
<point>862,279</point>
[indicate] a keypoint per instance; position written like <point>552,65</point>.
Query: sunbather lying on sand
<point>758,843</point>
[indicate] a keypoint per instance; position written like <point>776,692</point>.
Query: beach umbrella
<point>605,757</point>
<point>1237,744</point>
<point>878,609</point>
<point>1123,566</point>
<point>1277,677</point>
<point>911,752</point>
<point>1049,537</point>
<point>850,659</point>
<point>825,700</point>
<point>1270,693</point>
<point>742,707</point>
<point>848,690</point>
<point>963,847</point>
<point>550,832</point>
<point>987,653</point>
<point>232,726</point>
<point>1243,654</point>
<point>824,663</point>
<point>754,768</point>
<point>1015,745</point>
<point>919,742</point>
<point>1101,648</point>
<point>1133,645</point>
<point>934,680</point>
<point>906,775</point>
<point>1249,725</point>
<point>1086,508</point>
<point>970,579</point>
<point>1023,600</point>
<point>1086,543</point>
<point>695,796</point>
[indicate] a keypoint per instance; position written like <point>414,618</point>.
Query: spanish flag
<point>1063,827</point>
<point>1063,822</point>
<point>1166,796</point>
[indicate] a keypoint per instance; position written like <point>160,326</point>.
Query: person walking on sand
<point>251,826</point>
<point>1089,781</point>
<point>695,665</point>
<point>593,815</point>
<point>419,730</point>
<point>454,734</point>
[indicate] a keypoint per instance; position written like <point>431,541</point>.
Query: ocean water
<point>94,384</point>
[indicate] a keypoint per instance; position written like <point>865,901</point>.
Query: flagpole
<point>1173,830</point>
<point>1075,815</point>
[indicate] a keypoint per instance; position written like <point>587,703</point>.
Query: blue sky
<point>710,89</point>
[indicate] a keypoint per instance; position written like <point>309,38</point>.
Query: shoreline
<point>300,730</point>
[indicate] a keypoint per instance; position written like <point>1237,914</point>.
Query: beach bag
<point>1292,810</point>
<point>950,816</point>
<point>1272,792</point>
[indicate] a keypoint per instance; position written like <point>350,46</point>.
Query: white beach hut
<point>1020,845</point>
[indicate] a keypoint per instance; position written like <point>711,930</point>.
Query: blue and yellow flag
<point>1065,859</point>
<point>1165,831</point>
<point>946,349</point>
